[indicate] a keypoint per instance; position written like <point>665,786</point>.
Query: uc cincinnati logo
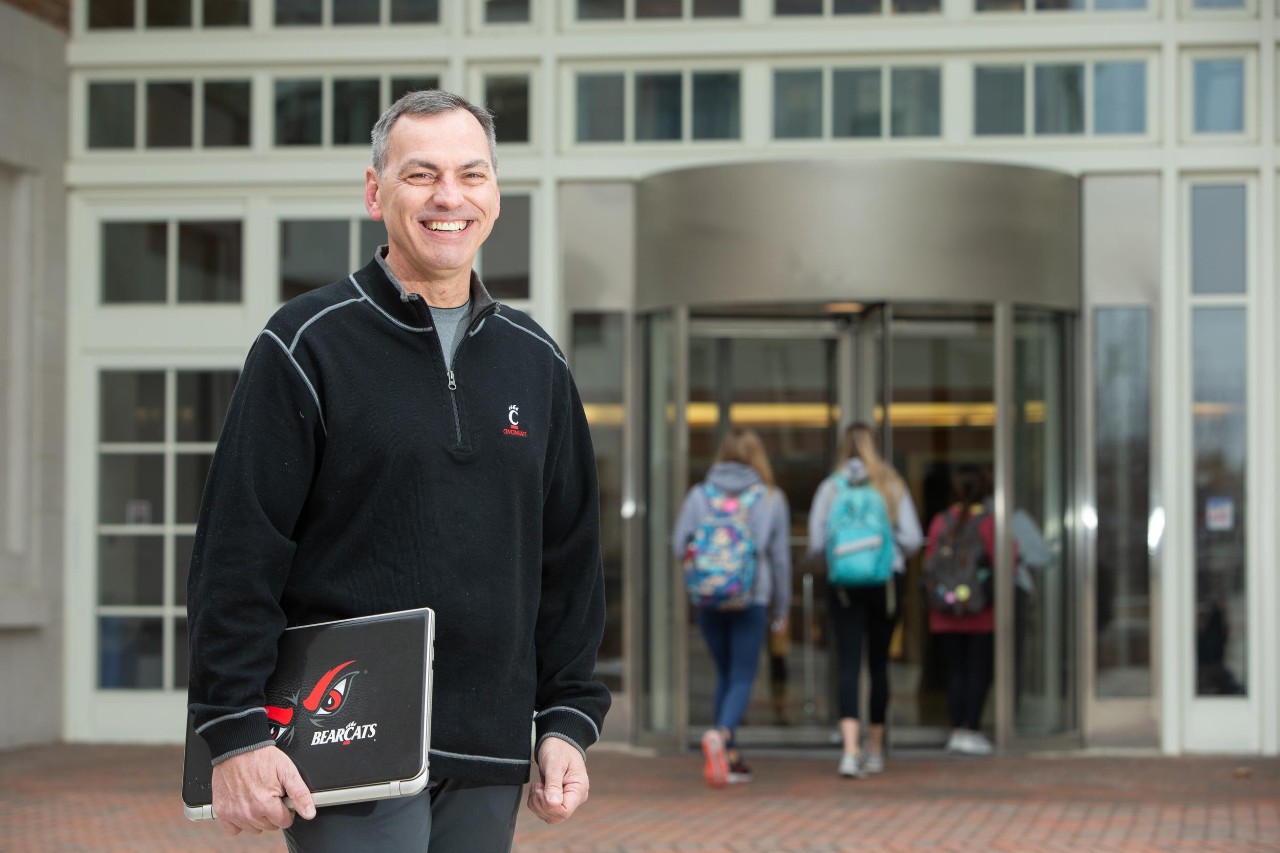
<point>513,418</point>
<point>331,693</point>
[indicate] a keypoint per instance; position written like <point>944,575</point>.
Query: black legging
<point>854,612</point>
<point>969,661</point>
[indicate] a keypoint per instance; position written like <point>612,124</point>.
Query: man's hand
<point>249,791</point>
<point>563,783</point>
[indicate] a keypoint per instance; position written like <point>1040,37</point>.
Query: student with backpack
<point>732,539</point>
<point>959,584</point>
<point>865,526</point>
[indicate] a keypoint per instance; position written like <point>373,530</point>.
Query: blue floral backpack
<point>720,559</point>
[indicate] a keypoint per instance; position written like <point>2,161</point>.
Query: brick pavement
<point>124,798</point>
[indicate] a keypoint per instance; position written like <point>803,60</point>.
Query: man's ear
<point>371,194</point>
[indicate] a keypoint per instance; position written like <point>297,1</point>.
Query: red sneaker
<point>716,766</point>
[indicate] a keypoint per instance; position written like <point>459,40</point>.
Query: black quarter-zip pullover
<point>358,473</point>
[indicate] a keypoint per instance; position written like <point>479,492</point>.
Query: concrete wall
<point>33,150</point>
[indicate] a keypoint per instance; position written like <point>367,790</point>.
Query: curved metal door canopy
<point>867,230</point>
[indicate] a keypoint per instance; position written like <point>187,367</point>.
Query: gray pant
<point>448,817</point>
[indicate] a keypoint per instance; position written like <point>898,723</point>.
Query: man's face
<point>437,194</point>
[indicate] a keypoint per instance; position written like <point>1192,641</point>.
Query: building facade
<point>1036,236</point>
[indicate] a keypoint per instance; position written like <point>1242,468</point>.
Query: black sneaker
<point>739,772</point>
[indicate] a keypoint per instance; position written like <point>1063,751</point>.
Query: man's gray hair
<point>428,102</point>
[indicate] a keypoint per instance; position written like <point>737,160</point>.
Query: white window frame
<point>828,66</point>
<point>477,24</point>
<point>80,21</point>
<point>1220,723</point>
<point>1089,135</point>
<point>1187,96</point>
<point>1248,10</point>
<point>327,78</point>
<point>828,13</point>
<point>686,70</point>
<point>1150,11</point>
<point>384,20</point>
<point>569,19</point>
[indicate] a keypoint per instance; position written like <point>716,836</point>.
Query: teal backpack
<point>859,536</point>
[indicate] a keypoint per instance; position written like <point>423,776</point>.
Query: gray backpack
<point>958,576</point>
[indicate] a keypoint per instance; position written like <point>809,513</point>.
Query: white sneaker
<point>976,743</point>
<point>954,743</point>
<point>851,766</point>
<point>874,763</point>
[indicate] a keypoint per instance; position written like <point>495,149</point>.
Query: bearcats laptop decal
<point>350,703</point>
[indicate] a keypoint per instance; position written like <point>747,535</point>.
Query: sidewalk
<point>65,799</point>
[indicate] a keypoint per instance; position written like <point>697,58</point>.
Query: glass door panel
<point>941,418</point>
<point>784,388</point>
<point>1044,646</point>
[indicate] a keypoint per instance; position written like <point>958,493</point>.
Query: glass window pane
<point>855,102</point>
<point>372,235</point>
<point>226,113</point>
<point>356,107</point>
<point>169,114</point>
<point>1060,5</point>
<point>183,546</point>
<point>506,11</point>
<point>797,7</point>
<point>1122,471</point>
<point>192,469</point>
<point>1219,85</point>
<point>130,570</point>
<point>507,97</point>
<point>1219,374</point>
<point>600,108</point>
<point>226,13</point>
<point>1217,4</point>
<point>598,367</point>
<point>130,653</point>
<point>658,8</point>
<point>403,85</point>
<point>916,98</point>
<point>506,258</point>
<point>111,115</point>
<point>716,105</point>
<point>1219,239</point>
<point>1120,97</point>
<point>181,669</point>
<point>110,14</point>
<point>1118,5</point>
<point>415,11</point>
<point>797,104</point>
<point>598,10</point>
<point>168,13</point>
<point>131,488</point>
<point>717,8</point>
<point>356,11</point>
<point>1000,5</point>
<point>856,7</point>
<point>203,397</point>
<point>1059,99</point>
<point>133,261</point>
<point>313,252</point>
<point>916,7</point>
<point>131,405</point>
<point>298,106</point>
<point>298,12</point>
<point>209,261</point>
<point>999,100</point>
<point>658,106</point>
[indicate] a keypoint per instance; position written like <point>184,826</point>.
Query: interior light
<point>1089,517</point>
<point>1155,529</point>
<point>845,307</point>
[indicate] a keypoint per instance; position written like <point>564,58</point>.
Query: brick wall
<point>56,12</point>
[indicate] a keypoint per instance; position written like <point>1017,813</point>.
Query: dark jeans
<point>857,612</point>
<point>969,662</point>
<point>448,817</point>
<point>734,638</point>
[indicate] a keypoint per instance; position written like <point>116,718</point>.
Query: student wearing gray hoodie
<point>735,636</point>
<point>865,611</point>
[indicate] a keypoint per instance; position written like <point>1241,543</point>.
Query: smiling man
<point>397,439</point>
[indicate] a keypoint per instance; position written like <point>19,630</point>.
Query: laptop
<point>350,703</point>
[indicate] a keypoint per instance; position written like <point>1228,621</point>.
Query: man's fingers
<point>298,792</point>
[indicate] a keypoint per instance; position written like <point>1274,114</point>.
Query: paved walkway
<point>64,799</point>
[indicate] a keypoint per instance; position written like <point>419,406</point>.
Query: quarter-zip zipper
<point>452,377</point>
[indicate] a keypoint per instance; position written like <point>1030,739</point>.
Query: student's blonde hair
<point>744,445</point>
<point>859,442</point>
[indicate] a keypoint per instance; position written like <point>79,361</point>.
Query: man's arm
<point>258,482</point>
<point>249,791</point>
<point>562,783</point>
<point>570,703</point>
